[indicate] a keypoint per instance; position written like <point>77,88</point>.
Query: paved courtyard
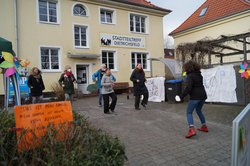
<point>156,136</point>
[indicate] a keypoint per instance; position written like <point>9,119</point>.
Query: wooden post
<point>221,59</point>
<point>209,58</point>
<point>245,59</point>
<point>245,48</point>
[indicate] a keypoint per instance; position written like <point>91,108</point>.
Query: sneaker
<point>107,113</point>
<point>112,111</point>
<point>137,108</point>
<point>191,133</point>
<point>203,128</point>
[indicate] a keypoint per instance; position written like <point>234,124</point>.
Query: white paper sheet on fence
<point>156,89</point>
<point>220,84</point>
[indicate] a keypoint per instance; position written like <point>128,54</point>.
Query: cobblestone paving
<point>156,136</point>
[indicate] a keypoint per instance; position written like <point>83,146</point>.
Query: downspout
<point>16,26</point>
<point>151,66</point>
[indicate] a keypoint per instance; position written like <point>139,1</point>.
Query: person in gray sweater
<point>108,91</point>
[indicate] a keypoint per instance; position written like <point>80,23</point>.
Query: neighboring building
<point>213,19</point>
<point>84,34</point>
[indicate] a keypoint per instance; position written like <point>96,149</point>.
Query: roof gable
<point>143,3</point>
<point>216,9</point>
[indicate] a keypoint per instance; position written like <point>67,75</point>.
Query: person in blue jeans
<point>97,77</point>
<point>195,89</point>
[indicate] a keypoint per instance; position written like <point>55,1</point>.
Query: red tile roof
<point>217,9</point>
<point>144,3</point>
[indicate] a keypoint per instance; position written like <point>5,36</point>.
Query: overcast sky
<point>181,10</point>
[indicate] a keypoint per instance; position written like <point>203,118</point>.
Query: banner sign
<point>32,121</point>
<point>241,138</point>
<point>114,40</point>
<point>220,84</point>
<point>156,89</point>
<point>23,84</point>
<point>24,89</point>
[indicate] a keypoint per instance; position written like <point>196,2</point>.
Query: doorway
<point>82,77</point>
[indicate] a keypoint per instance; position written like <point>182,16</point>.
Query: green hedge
<point>83,145</point>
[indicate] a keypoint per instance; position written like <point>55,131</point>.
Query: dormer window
<point>203,11</point>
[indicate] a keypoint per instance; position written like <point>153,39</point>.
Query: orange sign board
<point>35,118</point>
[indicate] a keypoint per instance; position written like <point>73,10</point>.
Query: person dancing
<point>138,79</point>
<point>108,91</point>
<point>197,93</point>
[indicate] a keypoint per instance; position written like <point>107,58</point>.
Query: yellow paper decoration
<point>8,57</point>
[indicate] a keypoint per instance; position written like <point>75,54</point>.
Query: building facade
<point>212,20</point>
<point>84,34</point>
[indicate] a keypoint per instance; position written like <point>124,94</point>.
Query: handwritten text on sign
<point>36,117</point>
<point>122,41</point>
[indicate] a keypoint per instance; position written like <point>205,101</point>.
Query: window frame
<point>146,28</point>
<point>107,10</point>
<point>87,36</point>
<point>85,7</point>
<point>58,13</point>
<point>115,58</point>
<point>147,61</point>
<point>59,48</point>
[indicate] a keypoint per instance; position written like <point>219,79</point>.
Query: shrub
<point>83,145</point>
<point>58,90</point>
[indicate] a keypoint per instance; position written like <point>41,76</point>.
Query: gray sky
<point>181,10</point>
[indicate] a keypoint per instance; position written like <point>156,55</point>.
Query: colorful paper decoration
<point>8,57</point>
<point>10,71</point>
<point>6,64</point>
<point>24,62</point>
<point>11,64</point>
<point>244,70</point>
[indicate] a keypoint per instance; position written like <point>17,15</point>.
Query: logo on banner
<point>122,41</point>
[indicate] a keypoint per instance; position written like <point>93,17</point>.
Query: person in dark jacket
<point>138,78</point>
<point>36,85</point>
<point>196,91</point>
<point>67,81</point>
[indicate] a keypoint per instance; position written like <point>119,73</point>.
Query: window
<point>80,36</point>
<point>203,11</point>
<point>107,16</point>
<point>137,23</point>
<point>79,10</point>
<point>108,58</point>
<point>49,58</point>
<point>48,11</point>
<point>139,58</point>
